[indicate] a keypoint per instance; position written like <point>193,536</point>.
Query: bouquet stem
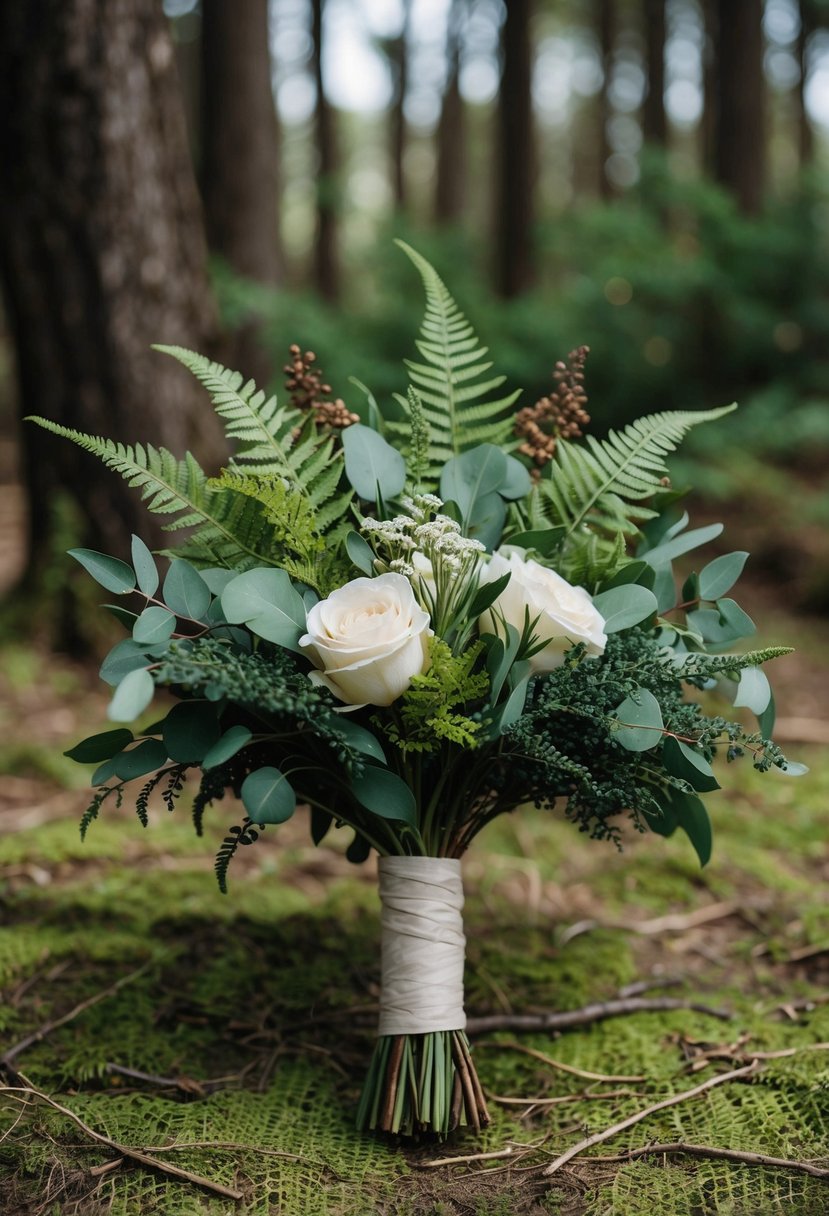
<point>422,1083</point>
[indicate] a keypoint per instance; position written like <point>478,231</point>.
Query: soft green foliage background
<point>272,988</point>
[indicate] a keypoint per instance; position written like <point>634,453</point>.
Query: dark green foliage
<point>236,837</point>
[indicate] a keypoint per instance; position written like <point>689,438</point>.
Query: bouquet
<point>412,621</point>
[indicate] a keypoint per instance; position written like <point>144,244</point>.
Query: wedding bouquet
<point>413,621</point>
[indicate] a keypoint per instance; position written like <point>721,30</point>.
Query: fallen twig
<point>510,1151</point>
<point>726,1154</point>
<point>672,1100</point>
<point>8,1057</point>
<point>587,1014</point>
<point>28,1091</point>
<point>568,1068</point>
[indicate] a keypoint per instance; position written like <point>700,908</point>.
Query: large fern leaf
<point>451,382</point>
<point>271,440</point>
<point>228,529</point>
<point>603,481</point>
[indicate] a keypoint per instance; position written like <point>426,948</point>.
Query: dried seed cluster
<point>309,392</point>
<point>561,415</point>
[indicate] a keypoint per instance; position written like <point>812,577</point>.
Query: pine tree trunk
<point>806,139</point>
<point>606,23</point>
<point>740,127</point>
<point>101,254</point>
<point>515,195</point>
<point>449,194</point>
<point>654,123</point>
<point>709,86</point>
<point>326,259</point>
<point>399,56</point>
<point>240,158</point>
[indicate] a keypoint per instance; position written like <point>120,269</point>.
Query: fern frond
<point>603,481</point>
<point>272,440</point>
<point>449,382</point>
<point>228,531</point>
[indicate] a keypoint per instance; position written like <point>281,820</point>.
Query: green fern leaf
<point>603,482</point>
<point>449,382</point>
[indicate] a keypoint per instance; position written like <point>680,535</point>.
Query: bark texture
<point>654,122</point>
<point>451,134</point>
<point>101,252</point>
<point>515,217</point>
<point>398,54</point>
<point>326,255</point>
<point>740,145</point>
<point>240,157</point>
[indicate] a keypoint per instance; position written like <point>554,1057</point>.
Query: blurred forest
<point>648,177</point>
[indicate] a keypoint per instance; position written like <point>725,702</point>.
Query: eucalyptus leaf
<point>267,796</point>
<point>543,541</point>
<point>190,730</point>
<point>154,625</point>
<point>146,757</point>
<point>360,739</point>
<point>185,591</point>
<point>766,719</point>
<point>146,571</point>
<point>266,601</point>
<point>687,811</point>
<point>231,742</point>
<point>664,588</point>
<point>125,656</point>
<point>689,765</point>
<point>385,794</point>
<point>360,552</point>
<point>122,615</point>
<point>132,696</point>
<point>100,747</point>
<point>372,465</point>
<point>635,572</point>
<point>369,413</point>
<point>792,768</point>
<point>216,579</point>
<point>720,575</point>
<point>110,572</point>
<point>517,483</point>
<point>638,722</point>
<point>754,690</point>
<point>486,520</point>
<point>625,606</point>
<point>473,475</point>
<point>682,543</point>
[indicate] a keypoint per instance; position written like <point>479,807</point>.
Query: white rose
<point>368,639</point>
<point>565,613</point>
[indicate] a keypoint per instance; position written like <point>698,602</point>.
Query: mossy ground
<point>259,1007</point>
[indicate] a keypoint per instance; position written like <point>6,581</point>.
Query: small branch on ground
<point>37,1036</point>
<point>588,1013</point>
<point>672,1100</point>
<point>27,1091</point>
<point>724,1154</point>
<point>568,1068</point>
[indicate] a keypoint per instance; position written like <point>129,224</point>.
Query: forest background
<point>648,177</point>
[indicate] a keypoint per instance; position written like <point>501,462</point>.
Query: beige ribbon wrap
<point>422,945</point>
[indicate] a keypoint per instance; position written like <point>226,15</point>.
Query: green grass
<point>268,993</point>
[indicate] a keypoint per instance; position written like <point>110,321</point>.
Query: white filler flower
<point>368,639</point>
<point>565,613</point>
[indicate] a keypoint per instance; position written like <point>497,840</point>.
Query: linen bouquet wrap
<point>413,624</point>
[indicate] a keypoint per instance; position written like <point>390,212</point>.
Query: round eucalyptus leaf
<point>231,742</point>
<point>625,606</point>
<point>385,794</point>
<point>638,722</point>
<point>132,696</point>
<point>267,796</point>
<point>138,761</point>
<point>185,591</point>
<point>373,467</point>
<point>266,601</point>
<point>720,575</point>
<point>154,625</point>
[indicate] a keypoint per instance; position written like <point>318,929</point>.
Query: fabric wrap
<point>422,945</point>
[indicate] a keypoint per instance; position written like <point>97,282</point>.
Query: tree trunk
<point>326,260</point>
<point>240,158</point>
<point>101,254</point>
<point>515,218</point>
<point>709,86</point>
<point>449,195</point>
<point>606,20</point>
<point>654,123</point>
<point>399,62</point>
<point>806,139</point>
<point>740,127</point>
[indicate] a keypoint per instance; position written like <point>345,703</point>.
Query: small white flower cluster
<point>429,549</point>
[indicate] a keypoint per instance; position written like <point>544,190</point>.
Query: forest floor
<point>227,1036</point>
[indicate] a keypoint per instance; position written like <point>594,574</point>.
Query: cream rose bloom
<point>565,613</point>
<point>368,639</point>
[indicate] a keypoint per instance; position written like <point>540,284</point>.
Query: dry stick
<point>569,1068</point>
<point>432,1165</point>
<point>587,1014</point>
<point>673,1100</point>
<point>133,1153</point>
<point>726,1154</point>
<point>37,1035</point>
